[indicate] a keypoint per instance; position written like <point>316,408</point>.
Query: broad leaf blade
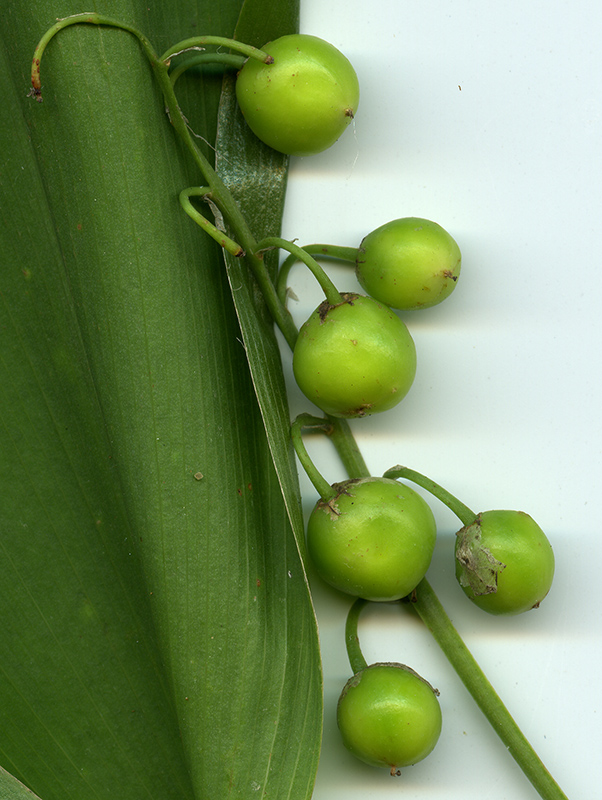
<point>83,692</point>
<point>149,608</point>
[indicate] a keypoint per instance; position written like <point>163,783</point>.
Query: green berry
<point>302,103</point>
<point>374,539</point>
<point>409,263</point>
<point>504,562</point>
<point>354,358</point>
<point>389,716</point>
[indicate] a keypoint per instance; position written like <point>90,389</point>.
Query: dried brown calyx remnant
<point>479,569</point>
<point>325,306</point>
<point>330,506</point>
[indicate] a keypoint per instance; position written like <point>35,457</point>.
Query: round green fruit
<point>302,103</point>
<point>374,539</point>
<point>389,716</point>
<point>504,562</point>
<point>354,358</point>
<point>409,263</point>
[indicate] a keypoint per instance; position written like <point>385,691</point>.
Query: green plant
<point>354,358</point>
<point>504,562</point>
<point>302,102</point>
<point>374,538</point>
<point>155,627</point>
<point>409,263</point>
<point>424,602</point>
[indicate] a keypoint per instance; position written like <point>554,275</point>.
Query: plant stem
<point>230,60</point>
<point>352,642</point>
<point>347,449</point>
<point>339,432</point>
<point>464,514</point>
<point>199,42</point>
<point>226,203</point>
<point>328,287</point>
<point>220,237</point>
<point>91,18</point>
<point>330,250</point>
<point>426,604</point>
<point>321,485</point>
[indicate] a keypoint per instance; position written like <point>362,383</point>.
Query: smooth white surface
<point>487,120</point>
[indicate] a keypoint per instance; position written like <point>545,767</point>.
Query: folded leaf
<point>156,632</point>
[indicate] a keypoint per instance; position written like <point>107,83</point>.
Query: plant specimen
<point>353,357</point>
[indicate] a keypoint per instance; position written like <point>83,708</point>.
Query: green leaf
<point>12,789</point>
<point>253,172</point>
<point>157,634</point>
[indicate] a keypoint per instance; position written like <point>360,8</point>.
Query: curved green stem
<point>220,237</point>
<point>339,432</point>
<point>159,66</point>
<point>335,251</point>
<point>91,18</point>
<point>328,287</point>
<point>321,485</point>
<point>230,60</point>
<point>464,514</point>
<point>426,604</point>
<point>352,642</point>
<point>231,211</point>
<point>224,199</point>
<point>327,250</point>
<point>199,43</point>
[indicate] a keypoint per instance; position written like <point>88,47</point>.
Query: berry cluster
<point>373,538</point>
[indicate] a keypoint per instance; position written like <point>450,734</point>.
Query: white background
<point>485,118</point>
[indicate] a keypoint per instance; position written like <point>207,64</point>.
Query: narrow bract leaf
<point>12,789</point>
<point>257,177</point>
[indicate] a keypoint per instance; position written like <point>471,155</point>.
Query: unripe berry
<point>354,358</point>
<point>302,103</point>
<point>374,540</point>
<point>389,716</point>
<point>409,263</point>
